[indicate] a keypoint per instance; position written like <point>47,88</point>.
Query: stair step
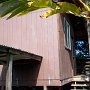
<point>81,85</point>
<point>79,89</point>
<point>88,62</point>
<point>87,66</point>
<point>87,70</point>
<point>80,78</point>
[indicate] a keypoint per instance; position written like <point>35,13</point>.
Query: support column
<point>88,31</point>
<point>59,88</point>
<point>2,87</point>
<point>9,72</point>
<point>75,87</point>
<point>45,88</point>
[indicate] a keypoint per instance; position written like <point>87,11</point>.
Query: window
<point>67,34</point>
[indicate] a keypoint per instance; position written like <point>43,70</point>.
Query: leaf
<point>30,3</point>
<point>69,7</point>
<point>8,10</point>
<point>43,4</point>
<point>51,12</point>
<point>7,3</point>
<point>65,7</point>
<point>26,11</point>
<point>17,11</point>
<point>21,7</point>
<point>85,7</point>
<point>40,3</point>
<point>53,5</point>
<point>14,8</point>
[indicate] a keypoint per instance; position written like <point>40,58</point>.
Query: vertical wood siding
<point>39,36</point>
<point>35,35</point>
<point>66,60</point>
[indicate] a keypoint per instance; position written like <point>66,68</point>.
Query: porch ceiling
<point>17,54</point>
<point>79,27</point>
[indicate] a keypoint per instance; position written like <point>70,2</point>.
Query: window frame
<point>67,34</point>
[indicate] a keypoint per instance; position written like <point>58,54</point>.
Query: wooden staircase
<point>82,82</point>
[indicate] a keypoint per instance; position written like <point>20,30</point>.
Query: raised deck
<point>80,82</point>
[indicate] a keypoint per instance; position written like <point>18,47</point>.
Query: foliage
<point>21,7</point>
<point>81,49</point>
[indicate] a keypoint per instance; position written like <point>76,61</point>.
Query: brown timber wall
<point>39,36</point>
<point>66,61</point>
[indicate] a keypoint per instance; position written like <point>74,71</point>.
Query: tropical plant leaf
<point>6,3</point>
<point>42,4</point>
<point>17,11</point>
<point>21,7</point>
<point>9,10</point>
<point>51,12</point>
<point>39,5</point>
<point>53,5</point>
<point>30,3</point>
<point>14,8</point>
<point>65,7</point>
<point>85,7</point>
<point>69,7</point>
<point>28,10</point>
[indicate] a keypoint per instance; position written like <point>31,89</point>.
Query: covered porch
<point>15,62</point>
<point>80,80</point>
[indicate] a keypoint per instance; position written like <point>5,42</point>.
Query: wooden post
<point>2,87</point>
<point>88,31</point>
<point>60,88</point>
<point>45,88</point>
<point>75,86</point>
<point>9,72</point>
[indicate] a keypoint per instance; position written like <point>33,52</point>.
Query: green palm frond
<point>22,7</point>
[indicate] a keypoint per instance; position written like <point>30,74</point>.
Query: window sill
<point>67,48</point>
